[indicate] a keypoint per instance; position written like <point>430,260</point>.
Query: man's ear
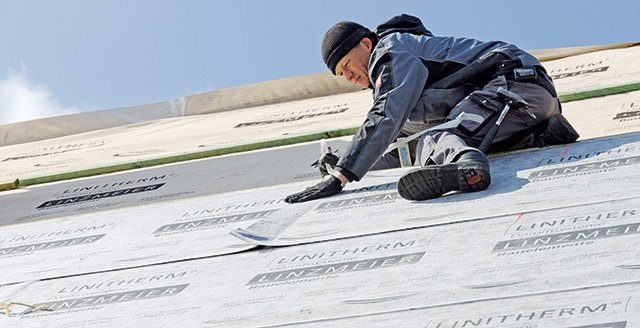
<point>367,43</point>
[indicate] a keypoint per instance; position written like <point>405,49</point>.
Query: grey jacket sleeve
<point>398,77</point>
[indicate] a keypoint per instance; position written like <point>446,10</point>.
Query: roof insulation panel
<point>165,183</point>
<point>488,259</point>
<point>613,306</point>
<point>595,70</point>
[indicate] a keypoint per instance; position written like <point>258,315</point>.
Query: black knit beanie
<point>340,39</point>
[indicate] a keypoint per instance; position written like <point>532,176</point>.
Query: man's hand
<point>324,188</point>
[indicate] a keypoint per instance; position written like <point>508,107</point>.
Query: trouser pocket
<point>485,103</point>
<point>435,104</point>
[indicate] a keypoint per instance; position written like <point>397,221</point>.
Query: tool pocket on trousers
<point>485,103</point>
<point>434,105</point>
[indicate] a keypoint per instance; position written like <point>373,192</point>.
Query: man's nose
<point>349,76</point>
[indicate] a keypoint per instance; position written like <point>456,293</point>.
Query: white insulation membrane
<point>537,252</point>
<point>616,306</point>
<point>135,236</point>
<point>182,135</point>
<point>595,70</point>
<point>177,136</point>
<point>600,170</point>
<point>165,183</point>
<point>605,116</point>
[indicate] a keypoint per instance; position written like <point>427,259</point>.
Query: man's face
<point>353,66</point>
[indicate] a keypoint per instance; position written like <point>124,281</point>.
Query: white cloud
<point>22,100</point>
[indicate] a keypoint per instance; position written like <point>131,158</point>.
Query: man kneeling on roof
<point>420,81</point>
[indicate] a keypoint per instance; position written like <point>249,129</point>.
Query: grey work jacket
<point>401,68</point>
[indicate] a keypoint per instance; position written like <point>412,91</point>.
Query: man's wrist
<point>343,179</point>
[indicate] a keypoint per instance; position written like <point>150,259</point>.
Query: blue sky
<point>78,55</point>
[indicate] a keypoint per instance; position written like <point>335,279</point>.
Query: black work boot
<point>469,173</point>
<point>559,131</point>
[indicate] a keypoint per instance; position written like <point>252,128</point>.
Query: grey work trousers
<point>444,147</point>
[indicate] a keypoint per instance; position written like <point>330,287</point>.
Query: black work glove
<point>324,188</point>
<point>327,160</point>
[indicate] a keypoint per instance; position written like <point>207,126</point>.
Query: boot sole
<point>432,182</point>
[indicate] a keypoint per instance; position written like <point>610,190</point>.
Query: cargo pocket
<point>434,105</point>
<point>485,103</point>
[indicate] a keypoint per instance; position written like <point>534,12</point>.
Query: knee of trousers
<point>440,148</point>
